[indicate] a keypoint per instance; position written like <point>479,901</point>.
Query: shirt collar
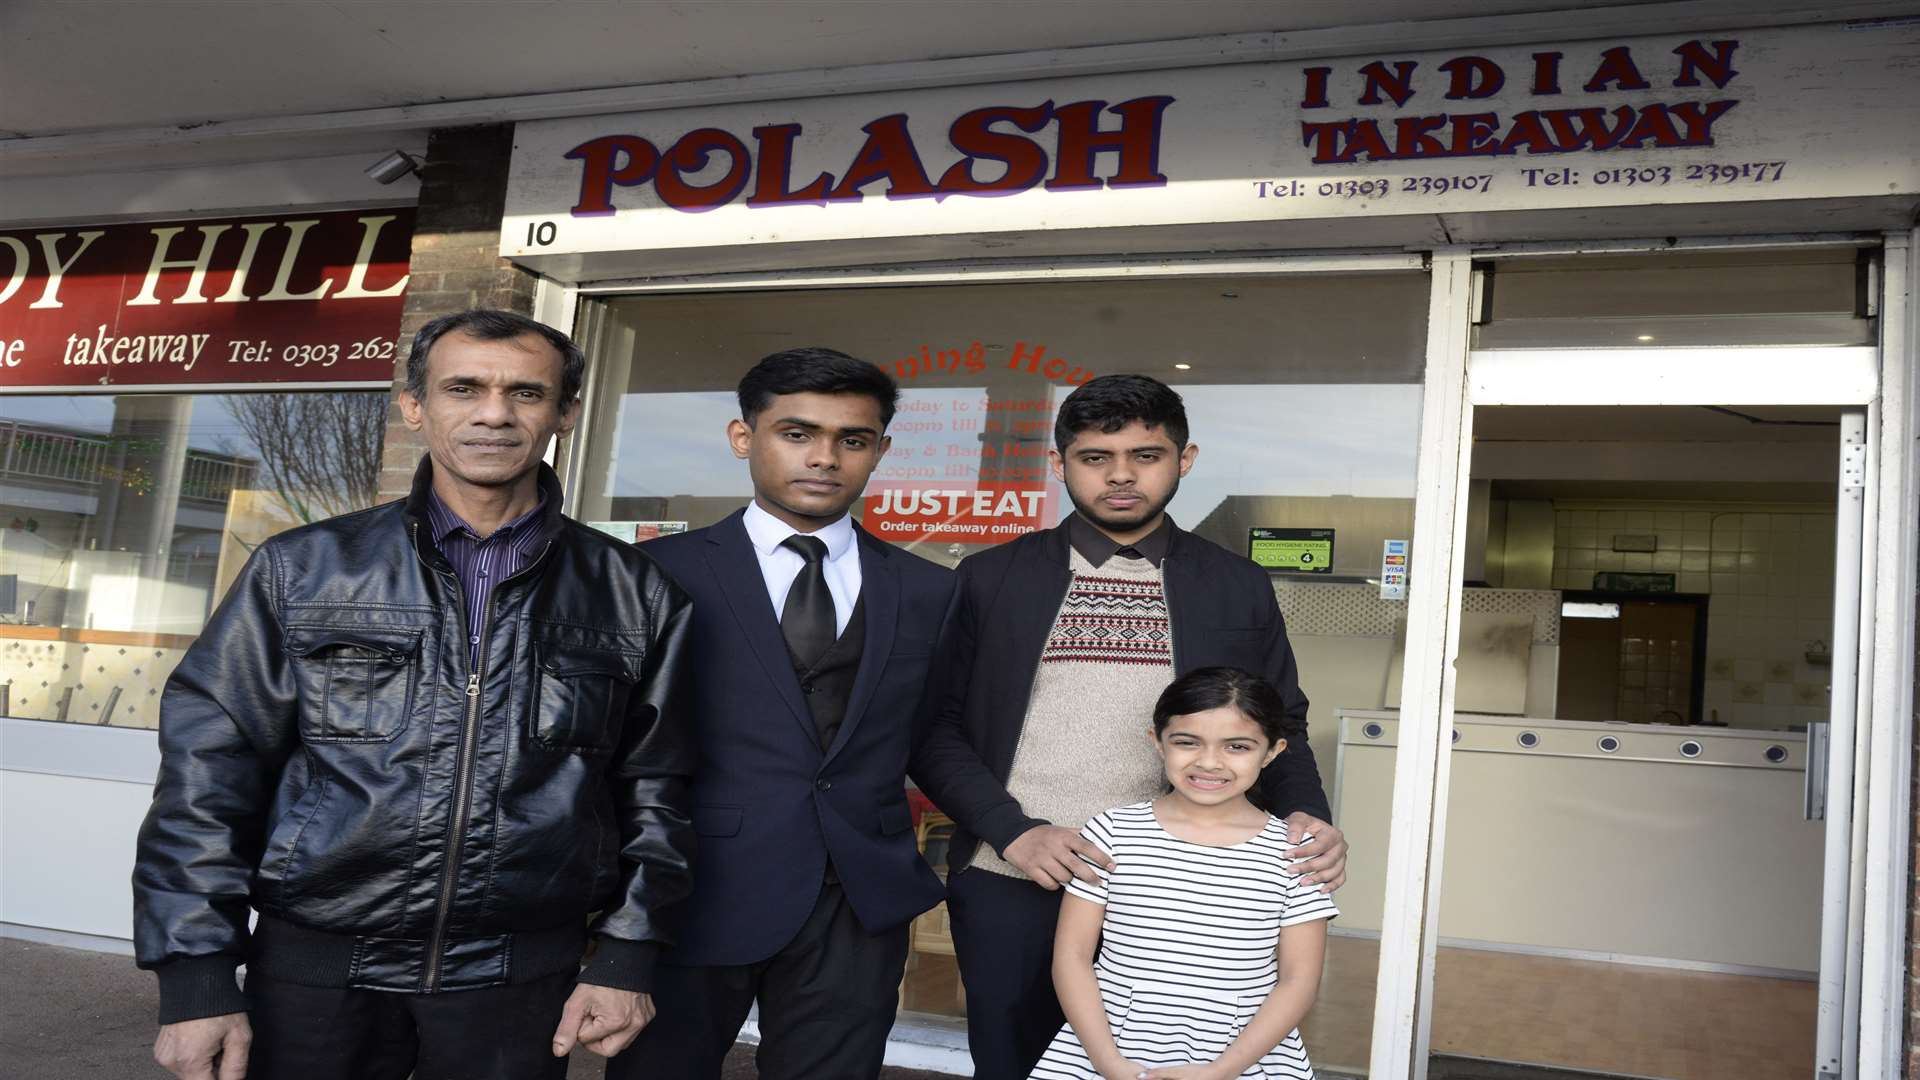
<point>445,522</point>
<point>767,533</point>
<point>1097,547</point>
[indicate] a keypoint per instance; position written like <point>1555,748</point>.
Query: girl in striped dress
<point>1187,922</point>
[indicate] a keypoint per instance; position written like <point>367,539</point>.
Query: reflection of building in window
<point>69,494</point>
<point>121,529</point>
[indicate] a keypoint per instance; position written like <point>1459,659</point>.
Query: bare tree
<point>320,451</point>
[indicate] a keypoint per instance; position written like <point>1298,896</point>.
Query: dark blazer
<point>1223,613</point>
<point>769,806</point>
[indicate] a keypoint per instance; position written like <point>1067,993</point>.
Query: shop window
<point>1303,393</point>
<point>1786,296</point>
<point>123,519</point>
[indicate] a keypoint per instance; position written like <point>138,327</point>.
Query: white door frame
<point>1879,379</point>
<point>1894,484</point>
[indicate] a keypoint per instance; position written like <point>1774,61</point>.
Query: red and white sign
<point>1765,114</point>
<point>957,513</point>
<point>299,298</point>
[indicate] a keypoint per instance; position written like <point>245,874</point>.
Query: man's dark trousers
<point>1003,939</point>
<point>828,1001</point>
<point>330,1033</point>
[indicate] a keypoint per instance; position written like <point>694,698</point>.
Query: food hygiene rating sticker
<point>1294,551</point>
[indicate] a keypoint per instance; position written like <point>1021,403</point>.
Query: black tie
<point>807,620</point>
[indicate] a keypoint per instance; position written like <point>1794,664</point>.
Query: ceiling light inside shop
<point>1573,609</point>
<point>1183,367</point>
<point>1644,337</point>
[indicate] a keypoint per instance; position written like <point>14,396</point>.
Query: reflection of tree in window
<point>319,452</point>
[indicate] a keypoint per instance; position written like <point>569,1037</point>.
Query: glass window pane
<point>1788,296</point>
<point>1302,391</point>
<point>124,518</point>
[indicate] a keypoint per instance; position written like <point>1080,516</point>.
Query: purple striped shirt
<point>481,561</point>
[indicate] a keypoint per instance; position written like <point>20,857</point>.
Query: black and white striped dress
<point>1187,944</point>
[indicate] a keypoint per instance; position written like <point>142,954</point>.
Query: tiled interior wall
<point>1770,579</point>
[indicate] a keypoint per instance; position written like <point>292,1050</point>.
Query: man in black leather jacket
<point>428,742</point>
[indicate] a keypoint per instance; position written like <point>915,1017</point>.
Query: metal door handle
<point>1813,805</point>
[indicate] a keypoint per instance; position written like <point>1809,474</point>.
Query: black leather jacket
<point>403,819</point>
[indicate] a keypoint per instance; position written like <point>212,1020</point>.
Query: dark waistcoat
<point>829,682</point>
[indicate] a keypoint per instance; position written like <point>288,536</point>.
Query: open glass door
<point>1645,862</point>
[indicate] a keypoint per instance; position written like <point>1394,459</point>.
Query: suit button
<point>806,688</point>
<point>823,785</point>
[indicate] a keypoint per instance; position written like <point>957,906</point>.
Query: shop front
<point>174,393</point>
<point>1563,387</point>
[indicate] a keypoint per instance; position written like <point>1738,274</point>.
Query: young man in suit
<point>1041,704</point>
<point>809,650</point>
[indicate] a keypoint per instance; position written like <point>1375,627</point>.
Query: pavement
<point>71,1014</point>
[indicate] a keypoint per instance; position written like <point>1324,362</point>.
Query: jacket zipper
<point>463,768</point>
<point>1173,639</point>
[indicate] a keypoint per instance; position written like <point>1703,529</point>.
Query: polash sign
<point>1765,114</point>
<point>286,300</point>
<point>1000,140</point>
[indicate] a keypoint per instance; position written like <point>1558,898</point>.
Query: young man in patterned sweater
<point>1041,699</point>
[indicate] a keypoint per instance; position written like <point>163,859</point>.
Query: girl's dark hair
<point>814,370</point>
<point>1111,402</point>
<point>1215,687</point>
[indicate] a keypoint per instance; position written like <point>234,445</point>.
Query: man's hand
<point>1325,852</point>
<point>601,1019</point>
<point>1052,855</point>
<point>193,1049</point>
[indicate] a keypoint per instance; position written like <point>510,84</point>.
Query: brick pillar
<point>455,265</point>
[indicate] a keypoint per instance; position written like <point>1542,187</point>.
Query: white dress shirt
<point>780,565</point>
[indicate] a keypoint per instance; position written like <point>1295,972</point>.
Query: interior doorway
<point>1632,885</point>
<point>1612,643</point>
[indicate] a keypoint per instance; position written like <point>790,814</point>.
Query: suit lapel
<point>736,566</point>
<point>880,592</point>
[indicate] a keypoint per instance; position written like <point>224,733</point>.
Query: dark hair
<point>489,324</point>
<point>1111,402</point>
<point>814,370</point>
<point>1215,687</point>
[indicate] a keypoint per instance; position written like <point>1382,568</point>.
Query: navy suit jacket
<point>769,805</point>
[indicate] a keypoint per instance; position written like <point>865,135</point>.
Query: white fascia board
<point>1483,31</point>
<point>114,195</point>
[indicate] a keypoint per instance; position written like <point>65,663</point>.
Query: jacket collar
<point>415,508</point>
<point>1058,543</point>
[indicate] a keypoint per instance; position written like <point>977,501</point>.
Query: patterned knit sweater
<point>1085,746</point>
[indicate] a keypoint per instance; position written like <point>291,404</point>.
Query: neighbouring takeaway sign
<point>289,299</point>
<point>1806,112</point>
